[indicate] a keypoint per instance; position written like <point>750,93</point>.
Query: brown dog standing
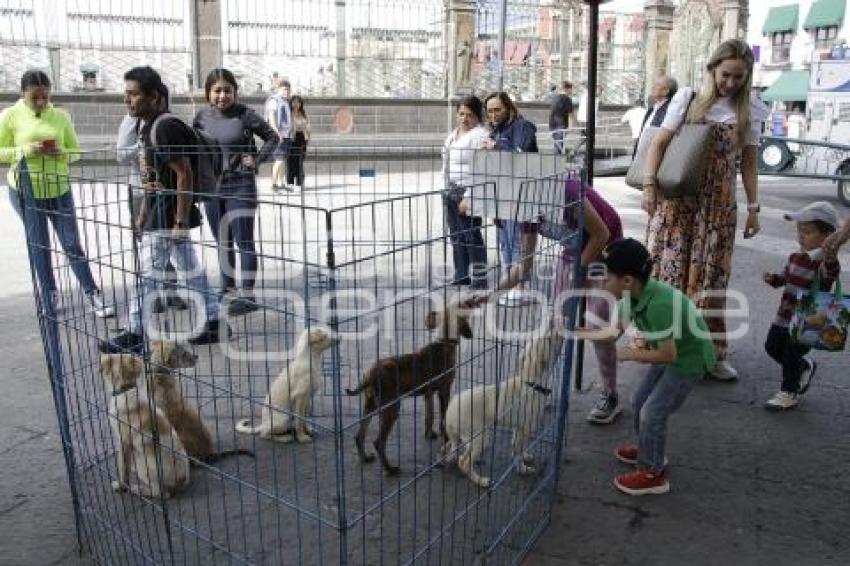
<point>423,373</point>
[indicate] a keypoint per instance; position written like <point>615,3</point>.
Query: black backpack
<point>207,158</point>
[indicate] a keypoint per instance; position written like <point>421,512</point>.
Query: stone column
<point>206,39</point>
<point>735,16</point>
<point>340,48</point>
<point>658,15</point>
<point>461,46</point>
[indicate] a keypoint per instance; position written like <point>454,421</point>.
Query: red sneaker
<point>642,482</point>
<point>627,454</point>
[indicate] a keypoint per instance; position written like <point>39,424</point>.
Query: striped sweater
<point>798,276</point>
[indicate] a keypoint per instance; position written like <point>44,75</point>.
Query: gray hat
<point>819,210</point>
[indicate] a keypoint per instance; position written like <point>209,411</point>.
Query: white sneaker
<point>782,401</point>
<point>98,308</point>
<point>515,298</point>
<point>807,375</point>
<point>723,371</point>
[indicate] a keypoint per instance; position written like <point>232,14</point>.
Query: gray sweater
<point>234,130</point>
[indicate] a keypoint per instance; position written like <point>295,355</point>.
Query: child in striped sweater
<point>815,223</point>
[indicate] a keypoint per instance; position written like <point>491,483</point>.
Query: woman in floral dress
<point>691,239</point>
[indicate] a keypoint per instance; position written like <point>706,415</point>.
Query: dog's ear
<point>132,365</point>
<point>463,327</point>
<point>431,320</point>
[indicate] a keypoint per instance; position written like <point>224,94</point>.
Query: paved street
<point>748,487</point>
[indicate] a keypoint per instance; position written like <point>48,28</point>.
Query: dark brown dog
<point>426,372</point>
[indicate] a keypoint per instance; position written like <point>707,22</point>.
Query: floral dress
<point>691,240</point>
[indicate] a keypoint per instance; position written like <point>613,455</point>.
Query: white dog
<point>517,403</point>
<point>147,443</point>
<point>292,391</point>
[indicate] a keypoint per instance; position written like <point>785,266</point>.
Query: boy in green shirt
<point>680,352</point>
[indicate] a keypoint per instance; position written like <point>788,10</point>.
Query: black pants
<point>788,354</point>
<point>468,248</point>
<point>295,161</point>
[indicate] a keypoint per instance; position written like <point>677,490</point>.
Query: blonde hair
<point>729,49</point>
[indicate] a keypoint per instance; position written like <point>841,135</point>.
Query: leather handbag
<point>683,165</point>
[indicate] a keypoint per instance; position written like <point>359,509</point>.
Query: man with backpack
<point>279,117</point>
<point>172,169</point>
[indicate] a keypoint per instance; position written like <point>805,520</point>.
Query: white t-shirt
<point>634,116</point>
<point>274,105</point>
<point>459,154</point>
<point>722,112</point>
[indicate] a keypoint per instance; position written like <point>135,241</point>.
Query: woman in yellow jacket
<point>39,139</point>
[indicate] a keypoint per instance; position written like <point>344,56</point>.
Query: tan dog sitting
<point>166,357</point>
<point>287,406</point>
<point>151,459</point>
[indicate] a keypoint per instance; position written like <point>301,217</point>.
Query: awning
<point>636,23</point>
<point>791,86</point>
<point>607,24</point>
<point>824,14</point>
<point>781,19</point>
<point>522,51</point>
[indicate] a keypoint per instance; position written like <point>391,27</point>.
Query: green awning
<point>781,19</point>
<point>824,14</point>
<point>791,86</point>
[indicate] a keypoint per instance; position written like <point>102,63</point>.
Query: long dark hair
<point>475,106</point>
<point>292,99</point>
<point>34,77</point>
<point>220,74</point>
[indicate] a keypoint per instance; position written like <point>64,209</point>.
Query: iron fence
<point>362,250</point>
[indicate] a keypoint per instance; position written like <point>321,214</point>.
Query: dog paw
<point>431,435</point>
<point>118,487</point>
<point>305,439</point>
<point>393,470</point>
<point>483,483</point>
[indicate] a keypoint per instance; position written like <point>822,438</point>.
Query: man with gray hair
<point>663,90</point>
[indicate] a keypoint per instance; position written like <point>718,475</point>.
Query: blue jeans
<point>468,250</point>
<point>62,215</point>
<point>661,392</point>
<point>508,237</point>
<point>155,250</point>
<point>238,231</point>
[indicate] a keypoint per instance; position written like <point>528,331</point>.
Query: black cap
<point>627,257</point>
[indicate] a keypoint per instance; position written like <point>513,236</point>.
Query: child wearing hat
<point>680,352</point>
<point>815,223</point>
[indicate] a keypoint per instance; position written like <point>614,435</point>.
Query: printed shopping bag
<point>821,318</point>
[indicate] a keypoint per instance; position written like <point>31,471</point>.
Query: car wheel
<point>774,156</point>
<point>844,185</point>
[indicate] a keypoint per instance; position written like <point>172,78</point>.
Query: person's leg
<point>292,166</point>
<point>154,253</point>
<point>243,212</point>
<point>64,220</point>
<point>644,390</point>
<point>599,308</point>
<point>302,153</point>
<point>456,228</point>
<point>215,210</point>
<point>670,391</point>
<point>34,218</point>
<point>191,270</point>
<point>476,252</point>
<point>793,364</point>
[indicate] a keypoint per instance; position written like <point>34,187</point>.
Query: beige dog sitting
<point>148,447</point>
<point>166,357</point>
<point>292,392</point>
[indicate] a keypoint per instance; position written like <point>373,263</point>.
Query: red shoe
<point>642,482</point>
<point>627,454</point>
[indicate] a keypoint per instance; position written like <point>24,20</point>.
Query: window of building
<point>825,37</point>
<point>844,112</point>
<point>781,52</point>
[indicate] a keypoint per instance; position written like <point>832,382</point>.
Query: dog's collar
<point>123,389</point>
<point>542,389</point>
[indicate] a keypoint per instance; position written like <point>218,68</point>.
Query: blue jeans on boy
<point>155,250</point>
<point>661,392</point>
<point>508,238</point>
<point>62,215</point>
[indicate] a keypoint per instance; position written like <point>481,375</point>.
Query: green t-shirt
<point>663,312</point>
<point>20,126</point>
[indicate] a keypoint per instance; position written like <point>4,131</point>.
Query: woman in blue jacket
<point>511,132</point>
